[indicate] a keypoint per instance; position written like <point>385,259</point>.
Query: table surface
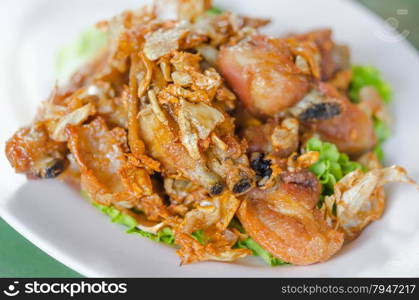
<point>20,258</point>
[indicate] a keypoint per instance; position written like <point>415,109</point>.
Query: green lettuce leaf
<point>382,130</point>
<point>368,76</point>
<point>331,166</point>
<point>200,236</point>
<point>214,11</point>
<point>81,50</point>
<point>116,215</point>
<point>378,150</point>
<point>258,250</point>
<point>165,235</point>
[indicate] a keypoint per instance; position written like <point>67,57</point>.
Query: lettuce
<point>252,245</point>
<point>331,165</point>
<point>199,235</point>
<point>116,215</point>
<point>382,130</point>
<point>368,76</point>
<point>77,53</point>
<point>165,235</point>
<point>379,152</point>
<point>214,11</point>
<point>258,250</point>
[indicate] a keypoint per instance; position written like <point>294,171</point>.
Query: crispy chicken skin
<point>262,72</point>
<point>333,57</point>
<point>33,152</point>
<point>284,220</point>
<point>216,169</point>
<point>164,146</point>
<point>279,138</point>
<point>352,130</point>
<point>106,172</point>
<point>329,113</point>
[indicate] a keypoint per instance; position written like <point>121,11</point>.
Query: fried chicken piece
<point>183,195</point>
<point>262,72</point>
<point>193,136</point>
<point>274,138</point>
<point>226,157</point>
<point>351,130</point>
<point>164,145</point>
<point>332,57</point>
<point>106,173</point>
<point>215,211</point>
<point>270,74</point>
<point>373,105</point>
<point>268,79</point>
<point>33,152</point>
<point>284,220</point>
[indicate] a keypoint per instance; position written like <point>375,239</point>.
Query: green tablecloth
<point>19,258</point>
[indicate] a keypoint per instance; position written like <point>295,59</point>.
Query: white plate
<point>58,221</point>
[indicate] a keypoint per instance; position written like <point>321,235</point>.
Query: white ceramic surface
<point>61,223</point>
